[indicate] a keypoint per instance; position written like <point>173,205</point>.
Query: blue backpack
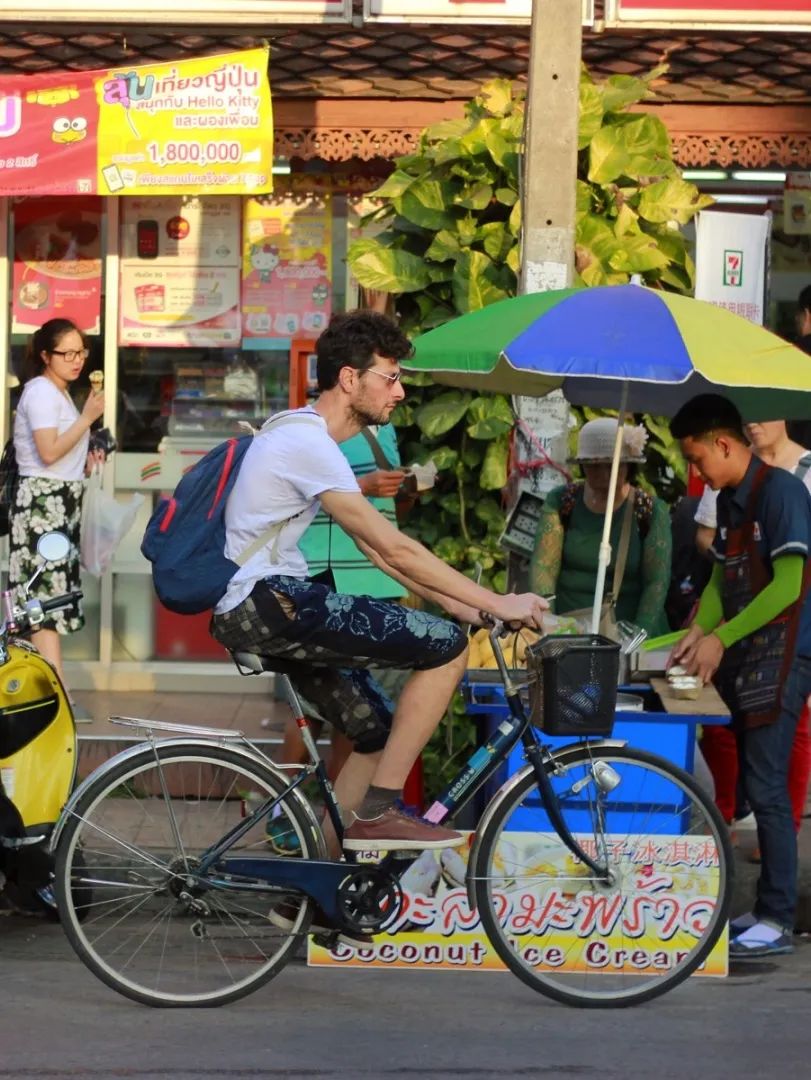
<point>185,537</point>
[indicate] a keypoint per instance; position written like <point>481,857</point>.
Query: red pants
<point>720,749</point>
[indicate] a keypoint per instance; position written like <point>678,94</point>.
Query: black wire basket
<point>573,684</point>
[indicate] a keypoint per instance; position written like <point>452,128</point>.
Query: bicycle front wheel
<point>594,942</point>
<point>129,900</point>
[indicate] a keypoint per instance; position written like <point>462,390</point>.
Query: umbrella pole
<point>605,543</point>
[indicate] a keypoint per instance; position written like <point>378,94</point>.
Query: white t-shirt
<point>706,510</point>
<point>282,474</point>
<point>43,405</point>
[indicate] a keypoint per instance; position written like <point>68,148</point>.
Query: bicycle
<point>166,843</point>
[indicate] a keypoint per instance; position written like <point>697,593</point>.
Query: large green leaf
<point>591,112</point>
<point>476,282</point>
<point>446,129</point>
<point>637,254</point>
<point>442,413</point>
<point>640,147</point>
<point>506,196</point>
<point>672,200</point>
<point>583,201</point>
<point>516,215</point>
<point>425,204</point>
<point>387,270</point>
<point>627,222</point>
<point>493,475</point>
<point>489,416</point>
<point>396,184</point>
<point>496,239</point>
<point>476,198</point>
<point>446,151</point>
<point>445,245</point>
<point>497,96</point>
<point>490,512</point>
<point>500,145</point>
<point>466,228</point>
<point>444,457</point>
<point>619,91</point>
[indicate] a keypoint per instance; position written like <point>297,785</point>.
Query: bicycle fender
<point>68,810</point>
<point>505,790</point>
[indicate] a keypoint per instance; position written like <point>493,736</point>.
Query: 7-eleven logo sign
<point>733,267</point>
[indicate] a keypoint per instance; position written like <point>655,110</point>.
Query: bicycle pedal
<point>327,941</point>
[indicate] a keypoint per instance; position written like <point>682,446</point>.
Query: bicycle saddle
<point>250,663</point>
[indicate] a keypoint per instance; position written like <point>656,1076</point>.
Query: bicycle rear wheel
<point>128,899</point>
<point>591,943</point>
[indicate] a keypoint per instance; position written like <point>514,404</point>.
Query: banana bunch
<point>515,649</point>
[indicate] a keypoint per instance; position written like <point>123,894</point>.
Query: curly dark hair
<point>351,340</point>
<point>705,414</point>
<point>45,340</point>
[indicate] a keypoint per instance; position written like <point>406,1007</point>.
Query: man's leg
<point>327,642</point>
<point>765,759</point>
<point>799,769</point>
<point>423,703</point>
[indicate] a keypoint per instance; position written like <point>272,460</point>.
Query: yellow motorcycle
<point>37,742</point>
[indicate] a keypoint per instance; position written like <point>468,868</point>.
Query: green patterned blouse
<point>565,560</point>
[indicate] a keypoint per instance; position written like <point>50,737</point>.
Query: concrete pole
<point>550,156</point>
<point>548,203</point>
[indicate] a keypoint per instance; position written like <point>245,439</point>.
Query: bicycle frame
<point>320,879</point>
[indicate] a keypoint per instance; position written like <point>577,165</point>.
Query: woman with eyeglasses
<point>51,442</point>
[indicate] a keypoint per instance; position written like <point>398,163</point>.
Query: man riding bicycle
<point>323,640</point>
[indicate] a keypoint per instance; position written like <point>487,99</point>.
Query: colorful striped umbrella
<point>619,346</point>
<point>662,347</point>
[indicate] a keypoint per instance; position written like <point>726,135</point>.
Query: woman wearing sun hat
<point>564,564</point>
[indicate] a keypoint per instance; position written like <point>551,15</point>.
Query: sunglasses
<point>383,374</point>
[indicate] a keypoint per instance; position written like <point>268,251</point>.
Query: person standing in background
<point>751,636</point>
<point>800,430</point>
<point>771,443</point>
<point>51,443</point>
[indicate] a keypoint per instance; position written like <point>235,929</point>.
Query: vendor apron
<point>754,669</point>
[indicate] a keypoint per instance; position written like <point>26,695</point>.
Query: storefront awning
<point>201,126</point>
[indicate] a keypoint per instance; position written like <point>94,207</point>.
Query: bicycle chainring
<point>369,899</point>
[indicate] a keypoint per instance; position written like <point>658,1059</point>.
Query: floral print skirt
<point>43,505</point>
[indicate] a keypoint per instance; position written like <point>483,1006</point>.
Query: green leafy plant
<point>449,242</point>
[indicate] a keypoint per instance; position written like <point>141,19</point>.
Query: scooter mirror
<point>53,547</point>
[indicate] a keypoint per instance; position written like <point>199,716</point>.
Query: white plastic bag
<point>105,522</point>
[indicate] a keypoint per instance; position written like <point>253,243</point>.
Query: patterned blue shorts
<point>325,642</point>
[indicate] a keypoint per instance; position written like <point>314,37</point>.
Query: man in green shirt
<point>326,546</point>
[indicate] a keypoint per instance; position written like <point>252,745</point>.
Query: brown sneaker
<point>396,830</point>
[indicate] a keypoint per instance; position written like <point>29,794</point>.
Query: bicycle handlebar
<point>56,603</point>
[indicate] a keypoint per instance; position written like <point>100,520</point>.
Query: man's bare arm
<point>458,610</point>
<point>419,566</point>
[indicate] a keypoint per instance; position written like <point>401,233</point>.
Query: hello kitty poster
<point>286,268</point>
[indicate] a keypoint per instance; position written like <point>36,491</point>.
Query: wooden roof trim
<point>752,136</point>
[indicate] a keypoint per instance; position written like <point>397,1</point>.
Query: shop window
<point>192,394</point>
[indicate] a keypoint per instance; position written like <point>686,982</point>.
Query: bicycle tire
<point>568,966</point>
<point>136,932</point>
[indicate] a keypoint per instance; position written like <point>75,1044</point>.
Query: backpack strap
<point>273,532</point>
<point>381,460</point>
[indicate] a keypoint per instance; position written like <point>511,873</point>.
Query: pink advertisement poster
<point>286,268</point>
<point>57,262</point>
